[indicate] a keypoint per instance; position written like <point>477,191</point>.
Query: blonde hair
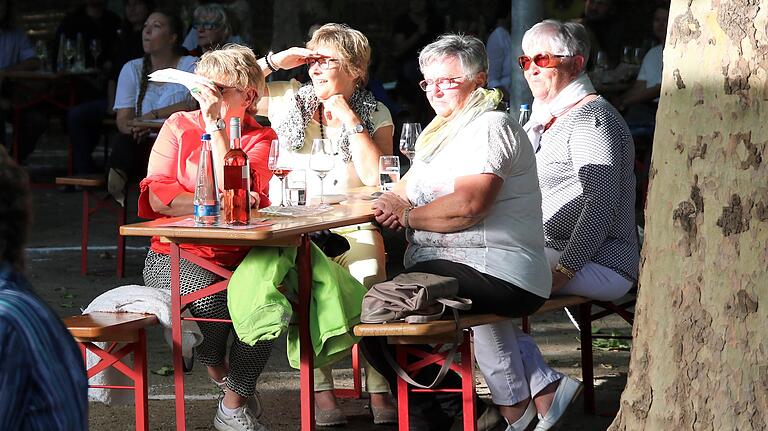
<point>352,46</point>
<point>235,66</point>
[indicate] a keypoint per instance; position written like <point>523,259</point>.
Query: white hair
<point>469,50</point>
<point>565,38</point>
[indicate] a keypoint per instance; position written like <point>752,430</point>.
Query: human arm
<point>365,149</point>
<point>162,192</point>
<point>287,59</point>
<point>639,93</point>
<point>469,203</point>
<point>599,148</point>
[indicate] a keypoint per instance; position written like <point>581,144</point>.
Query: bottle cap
<point>525,107</point>
<point>234,121</point>
<point>205,137</point>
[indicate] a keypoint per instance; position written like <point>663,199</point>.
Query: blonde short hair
<point>235,66</point>
<point>352,46</point>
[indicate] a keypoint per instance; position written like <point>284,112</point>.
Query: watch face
<point>358,128</point>
<point>220,124</point>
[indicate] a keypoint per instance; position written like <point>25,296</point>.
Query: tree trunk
<point>700,354</point>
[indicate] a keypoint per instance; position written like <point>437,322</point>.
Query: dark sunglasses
<point>542,59</point>
<point>206,25</point>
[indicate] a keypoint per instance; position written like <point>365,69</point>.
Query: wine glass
<point>279,164</point>
<point>41,51</point>
<point>321,161</point>
<point>408,137</point>
<point>638,55</point>
<point>69,52</point>
<point>95,48</point>
<point>389,172</point>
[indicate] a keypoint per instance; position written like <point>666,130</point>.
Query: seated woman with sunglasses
<point>336,106</point>
<point>471,208</point>
<point>212,27</point>
<point>585,159</point>
<point>168,191</point>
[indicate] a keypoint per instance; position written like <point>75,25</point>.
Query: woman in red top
<point>236,84</point>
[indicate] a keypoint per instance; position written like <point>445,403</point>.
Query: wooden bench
<point>90,184</point>
<point>125,334</point>
<point>439,332</point>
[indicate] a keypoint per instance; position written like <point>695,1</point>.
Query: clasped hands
<point>389,209</point>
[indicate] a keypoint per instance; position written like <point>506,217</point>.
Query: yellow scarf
<point>441,130</point>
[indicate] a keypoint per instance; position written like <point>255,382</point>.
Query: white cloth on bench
<point>135,299</point>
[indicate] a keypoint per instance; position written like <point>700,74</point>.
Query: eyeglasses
<point>542,59</point>
<point>441,83</point>
<point>323,62</point>
<point>206,25</point>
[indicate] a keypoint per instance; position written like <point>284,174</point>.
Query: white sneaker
<point>567,391</point>
<point>242,420</point>
<point>253,402</point>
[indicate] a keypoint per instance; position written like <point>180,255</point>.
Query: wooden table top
<point>282,231</point>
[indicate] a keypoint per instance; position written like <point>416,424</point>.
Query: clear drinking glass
<point>389,172</point>
<point>297,187</point>
<point>408,136</point>
<point>41,51</point>
<point>280,165</point>
<point>321,161</point>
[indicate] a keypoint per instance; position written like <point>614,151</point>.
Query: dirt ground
<point>53,267</point>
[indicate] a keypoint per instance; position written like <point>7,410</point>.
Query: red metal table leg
<point>84,233</point>
<point>468,384</point>
<point>140,382</point>
<point>178,368</point>
<point>402,390</point>
<point>587,371</point>
<point>122,212</point>
<point>304,267</point>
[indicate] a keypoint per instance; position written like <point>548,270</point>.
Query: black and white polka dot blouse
<point>585,166</point>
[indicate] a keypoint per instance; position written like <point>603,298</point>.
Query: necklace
<point>322,128</point>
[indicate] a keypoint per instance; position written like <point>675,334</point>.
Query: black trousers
<point>437,412</point>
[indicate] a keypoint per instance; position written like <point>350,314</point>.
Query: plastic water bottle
<point>525,114</point>
<point>206,201</point>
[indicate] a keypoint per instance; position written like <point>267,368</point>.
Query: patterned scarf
<point>440,130</point>
<point>543,113</point>
<point>294,123</point>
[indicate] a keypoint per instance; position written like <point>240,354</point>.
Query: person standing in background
<point>499,49</point>
<point>43,385</point>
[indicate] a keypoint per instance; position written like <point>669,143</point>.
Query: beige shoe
<point>384,415</point>
<point>329,418</point>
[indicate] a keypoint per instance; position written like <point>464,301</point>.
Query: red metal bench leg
<point>357,385</point>
<point>587,362</point>
<point>140,382</point>
<point>526,324</point>
<point>402,390</point>
<point>468,384</point>
<point>122,212</point>
<point>306,377</point>
<point>84,234</point>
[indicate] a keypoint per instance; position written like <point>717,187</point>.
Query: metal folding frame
<point>112,357</point>
<point>88,209</point>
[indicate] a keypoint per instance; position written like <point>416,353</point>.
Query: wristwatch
<point>219,125</point>
<point>357,128</point>
<point>564,270</point>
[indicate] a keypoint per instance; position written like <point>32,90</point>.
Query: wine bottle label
<point>206,210</point>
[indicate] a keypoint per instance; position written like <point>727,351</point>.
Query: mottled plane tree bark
<point>700,354</point>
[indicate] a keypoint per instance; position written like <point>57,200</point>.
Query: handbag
<point>415,297</point>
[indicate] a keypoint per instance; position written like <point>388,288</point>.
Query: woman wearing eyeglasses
<point>168,191</point>
<point>584,159</point>
<point>335,105</point>
<point>212,27</point>
<point>471,208</point>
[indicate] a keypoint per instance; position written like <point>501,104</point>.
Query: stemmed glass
<point>41,51</point>
<point>279,164</point>
<point>95,48</point>
<point>69,52</point>
<point>321,161</point>
<point>408,136</point>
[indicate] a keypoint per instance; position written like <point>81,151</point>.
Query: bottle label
<point>206,210</point>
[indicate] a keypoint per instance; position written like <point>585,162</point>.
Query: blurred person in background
<point>235,12</point>
<point>85,120</point>
<point>499,49</point>
<point>43,385</point>
<point>17,53</point>
<point>212,23</point>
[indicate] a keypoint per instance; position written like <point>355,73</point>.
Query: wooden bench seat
<point>124,334</point>
<point>90,184</point>
<point>402,334</point>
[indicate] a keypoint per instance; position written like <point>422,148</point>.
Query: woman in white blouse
<point>137,98</point>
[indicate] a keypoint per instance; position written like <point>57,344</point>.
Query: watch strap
<point>215,127</point>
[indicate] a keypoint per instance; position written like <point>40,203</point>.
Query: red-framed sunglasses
<point>542,59</point>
